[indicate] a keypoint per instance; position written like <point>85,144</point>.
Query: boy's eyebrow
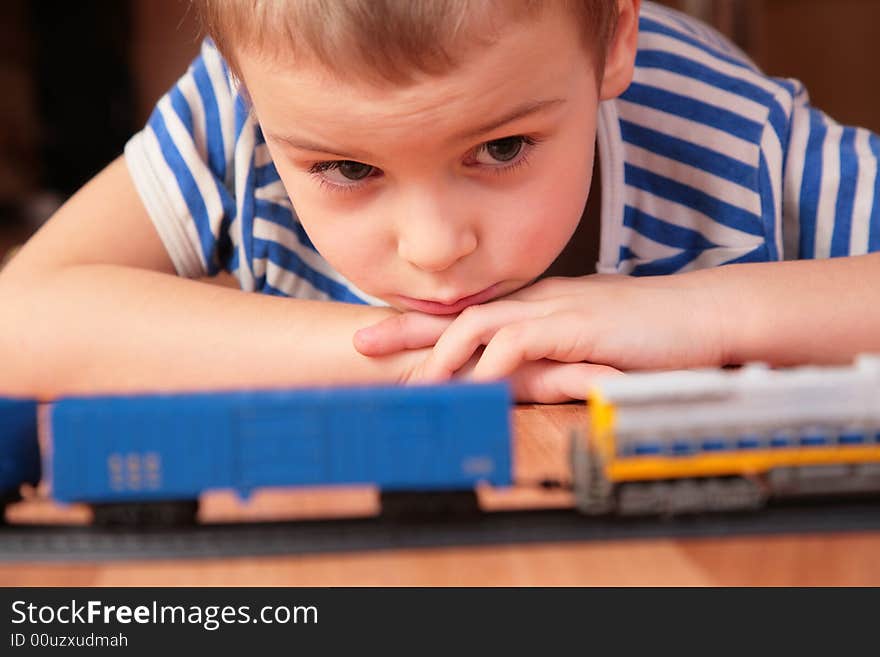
<point>519,112</point>
<point>306,145</point>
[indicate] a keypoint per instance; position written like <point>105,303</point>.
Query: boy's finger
<point>469,333</point>
<point>573,380</point>
<point>558,337</point>
<point>548,382</point>
<point>401,332</point>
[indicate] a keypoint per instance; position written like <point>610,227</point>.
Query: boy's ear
<point>621,54</point>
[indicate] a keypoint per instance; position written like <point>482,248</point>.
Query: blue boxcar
<point>162,447</point>
<point>19,449</point>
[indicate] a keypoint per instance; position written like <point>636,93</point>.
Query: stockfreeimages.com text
<point>211,617</point>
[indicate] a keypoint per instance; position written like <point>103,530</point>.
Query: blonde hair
<point>388,40</point>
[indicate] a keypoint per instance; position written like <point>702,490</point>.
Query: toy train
<point>19,451</point>
<point>719,440</point>
<point>658,443</point>
<point>146,459</point>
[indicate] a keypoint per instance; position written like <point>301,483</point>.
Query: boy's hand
<point>542,381</point>
<point>556,335</point>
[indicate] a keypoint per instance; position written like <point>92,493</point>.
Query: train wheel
<point>174,513</point>
<point>733,494</point>
<point>681,496</point>
<point>409,505</point>
<point>643,498</point>
<point>6,498</point>
<point>592,490</point>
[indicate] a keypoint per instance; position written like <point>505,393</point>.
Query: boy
<point>424,163</point>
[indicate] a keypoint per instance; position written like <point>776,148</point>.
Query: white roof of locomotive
<point>641,387</point>
<point>754,397</point>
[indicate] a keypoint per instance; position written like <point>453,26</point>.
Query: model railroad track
<point>92,543</point>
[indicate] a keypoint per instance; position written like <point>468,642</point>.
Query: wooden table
<point>809,560</point>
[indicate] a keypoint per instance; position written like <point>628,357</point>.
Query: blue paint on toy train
<point>691,445</point>
<point>19,449</point>
<point>152,447</point>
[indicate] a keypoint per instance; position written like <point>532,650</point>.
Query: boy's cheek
<point>537,245</point>
<point>353,253</point>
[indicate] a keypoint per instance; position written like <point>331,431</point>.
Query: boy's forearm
<point>96,328</point>
<point>785,313</point>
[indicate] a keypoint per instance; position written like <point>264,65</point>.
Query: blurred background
<point>81,76</point>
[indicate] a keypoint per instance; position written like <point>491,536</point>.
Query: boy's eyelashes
<point>502,151</point>
<point>499,155</point>
<point>343,175</point>
<point>348,169</point>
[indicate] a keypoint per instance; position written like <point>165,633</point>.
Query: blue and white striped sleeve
<point>831,187</point>
<point>182,164</point>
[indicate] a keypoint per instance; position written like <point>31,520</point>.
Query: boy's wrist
<point>725,312</point>
<point>745,303</point>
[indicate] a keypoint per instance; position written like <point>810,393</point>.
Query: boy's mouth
<point>441,308</point>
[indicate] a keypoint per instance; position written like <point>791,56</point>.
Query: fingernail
<point>362,338</point>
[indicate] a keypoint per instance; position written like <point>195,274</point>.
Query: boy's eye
<point>342,172</point>
<point>353,170</point>
<point>500,150</point>
<point>505,149</point>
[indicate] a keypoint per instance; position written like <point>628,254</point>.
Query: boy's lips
<point>440,308</point>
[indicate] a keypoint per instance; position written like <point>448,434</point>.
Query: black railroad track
<point>90,543</point>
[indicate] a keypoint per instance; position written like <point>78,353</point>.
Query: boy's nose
<point>435,252</point>
<point>434,239</point>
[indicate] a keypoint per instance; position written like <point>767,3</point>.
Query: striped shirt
<point>705,161</point>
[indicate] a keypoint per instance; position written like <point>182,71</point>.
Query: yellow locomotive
<point>720,440</point>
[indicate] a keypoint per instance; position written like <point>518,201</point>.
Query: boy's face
<point>450,192</point>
